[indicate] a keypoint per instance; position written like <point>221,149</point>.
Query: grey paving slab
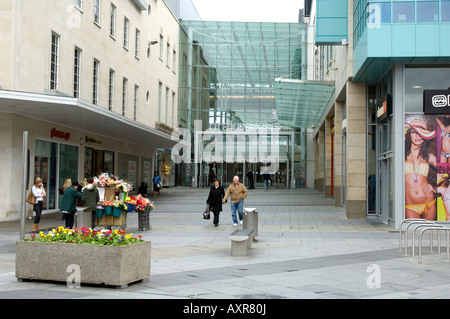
<point>306,249</point>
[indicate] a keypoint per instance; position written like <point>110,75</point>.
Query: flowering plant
<point>119,204</point>
<point>131,200</point>
<point>105,180</point>
<point>87,236</point>
<point>108,203</point>
<point>121,186</point>
<point>143,204</point>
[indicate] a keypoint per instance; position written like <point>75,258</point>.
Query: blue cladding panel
<point>331,21</point>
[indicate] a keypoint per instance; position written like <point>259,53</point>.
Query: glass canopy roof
<point>301,103</point>
<point>238,63</point>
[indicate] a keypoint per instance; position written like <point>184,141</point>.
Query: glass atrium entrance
<point>241,79</point>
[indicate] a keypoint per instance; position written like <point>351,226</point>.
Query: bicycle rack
<point>438,228</point>
<point>408,220</point>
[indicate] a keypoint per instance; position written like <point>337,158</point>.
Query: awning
<point>301,103</point>
<point>80,115</point>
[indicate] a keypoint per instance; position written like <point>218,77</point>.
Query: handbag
<point>206,214</point>
<point>31,199</point>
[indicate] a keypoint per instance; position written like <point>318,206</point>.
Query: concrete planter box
<point>109,265</point>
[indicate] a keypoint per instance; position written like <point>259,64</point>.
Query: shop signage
<point>436,101</point>
<point>92,140</point>
<point>59,134</point>
<point>385,109</point>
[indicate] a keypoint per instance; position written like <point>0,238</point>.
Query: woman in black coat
<point>214,200</point>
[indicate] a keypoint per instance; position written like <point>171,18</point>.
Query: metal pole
<point>24,185</point>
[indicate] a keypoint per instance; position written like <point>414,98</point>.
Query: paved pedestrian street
<point>305,249</point>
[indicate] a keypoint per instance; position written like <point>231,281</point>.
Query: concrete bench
<point>241,241</point>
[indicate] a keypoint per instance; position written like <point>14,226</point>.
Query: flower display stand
<point>109,221</point>
<point>104,265</point>
<point>144,220</point>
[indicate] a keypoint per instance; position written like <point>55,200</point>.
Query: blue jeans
<point>240,208</point>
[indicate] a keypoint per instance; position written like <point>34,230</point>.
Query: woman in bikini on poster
<point>420,171</point>
<point>444,124</point>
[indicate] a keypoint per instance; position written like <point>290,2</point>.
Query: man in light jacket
<point>238,193</point>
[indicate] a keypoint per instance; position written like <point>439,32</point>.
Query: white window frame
<point>112,75</point>
<point>77,73</point>
<point>95,81</point>
<point>126,27</point>
<point>112,25</point>
<point>124,96</point>
<point>54,59</point>
<point>137,45</point>
<point>97,11</point>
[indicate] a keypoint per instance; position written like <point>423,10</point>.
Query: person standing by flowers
<point>68,205</point>
<point>156,184</point>
<point>39,193</point>
<point>90,197</point>
<point>216,193</point>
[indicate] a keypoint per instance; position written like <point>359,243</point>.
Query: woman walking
<point>216,194</point>
<point>39,193</point>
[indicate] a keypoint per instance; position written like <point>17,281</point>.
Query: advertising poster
<point>427,167</point>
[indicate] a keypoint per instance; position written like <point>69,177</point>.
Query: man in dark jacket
<point>68,205</point>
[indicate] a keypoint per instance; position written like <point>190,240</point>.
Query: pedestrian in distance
<point>251,183</point>
<point>90,197</point>
<point>266,180</point>
<point>238,193</point>
<point>156,184</point>
<point>68,204</point>
<point>39,193</point>
<point>143,189</point>
<point>216,194</point>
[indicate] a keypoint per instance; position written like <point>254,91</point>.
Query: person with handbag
<point>214,201</point>
<point>39,194</point>
<point>156,184</point>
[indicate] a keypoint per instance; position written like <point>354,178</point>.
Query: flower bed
<point>86,236</point>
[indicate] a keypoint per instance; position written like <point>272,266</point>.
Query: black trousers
<point>69,220</point>
<point>38,210</point>
<point>216,217</point>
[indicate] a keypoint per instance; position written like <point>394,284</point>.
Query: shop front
<point>68,139</point>
<point>407,167</point>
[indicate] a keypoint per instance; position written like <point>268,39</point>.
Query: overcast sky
<point>249,10</point>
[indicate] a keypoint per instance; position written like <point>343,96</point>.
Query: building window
<point>76,73</point>
<point>137,43</point>
<point>124,96</point>
<point>111,89</point>
<point>168,54</point>
<point>125,32</point>
<point>54,62</point>
<point>95,82</point>
<point>404,12</point>
<point>161,47</point>
<point>136,101</point>
<point>173,109</point>
<point>79,4</point>
<point>167,105</point>
<point>174,63</point>
<point>97,11</point>
<point>428,11</point>
<point>445,11</point>
<point>159,100</point>
<point>112,28</point>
